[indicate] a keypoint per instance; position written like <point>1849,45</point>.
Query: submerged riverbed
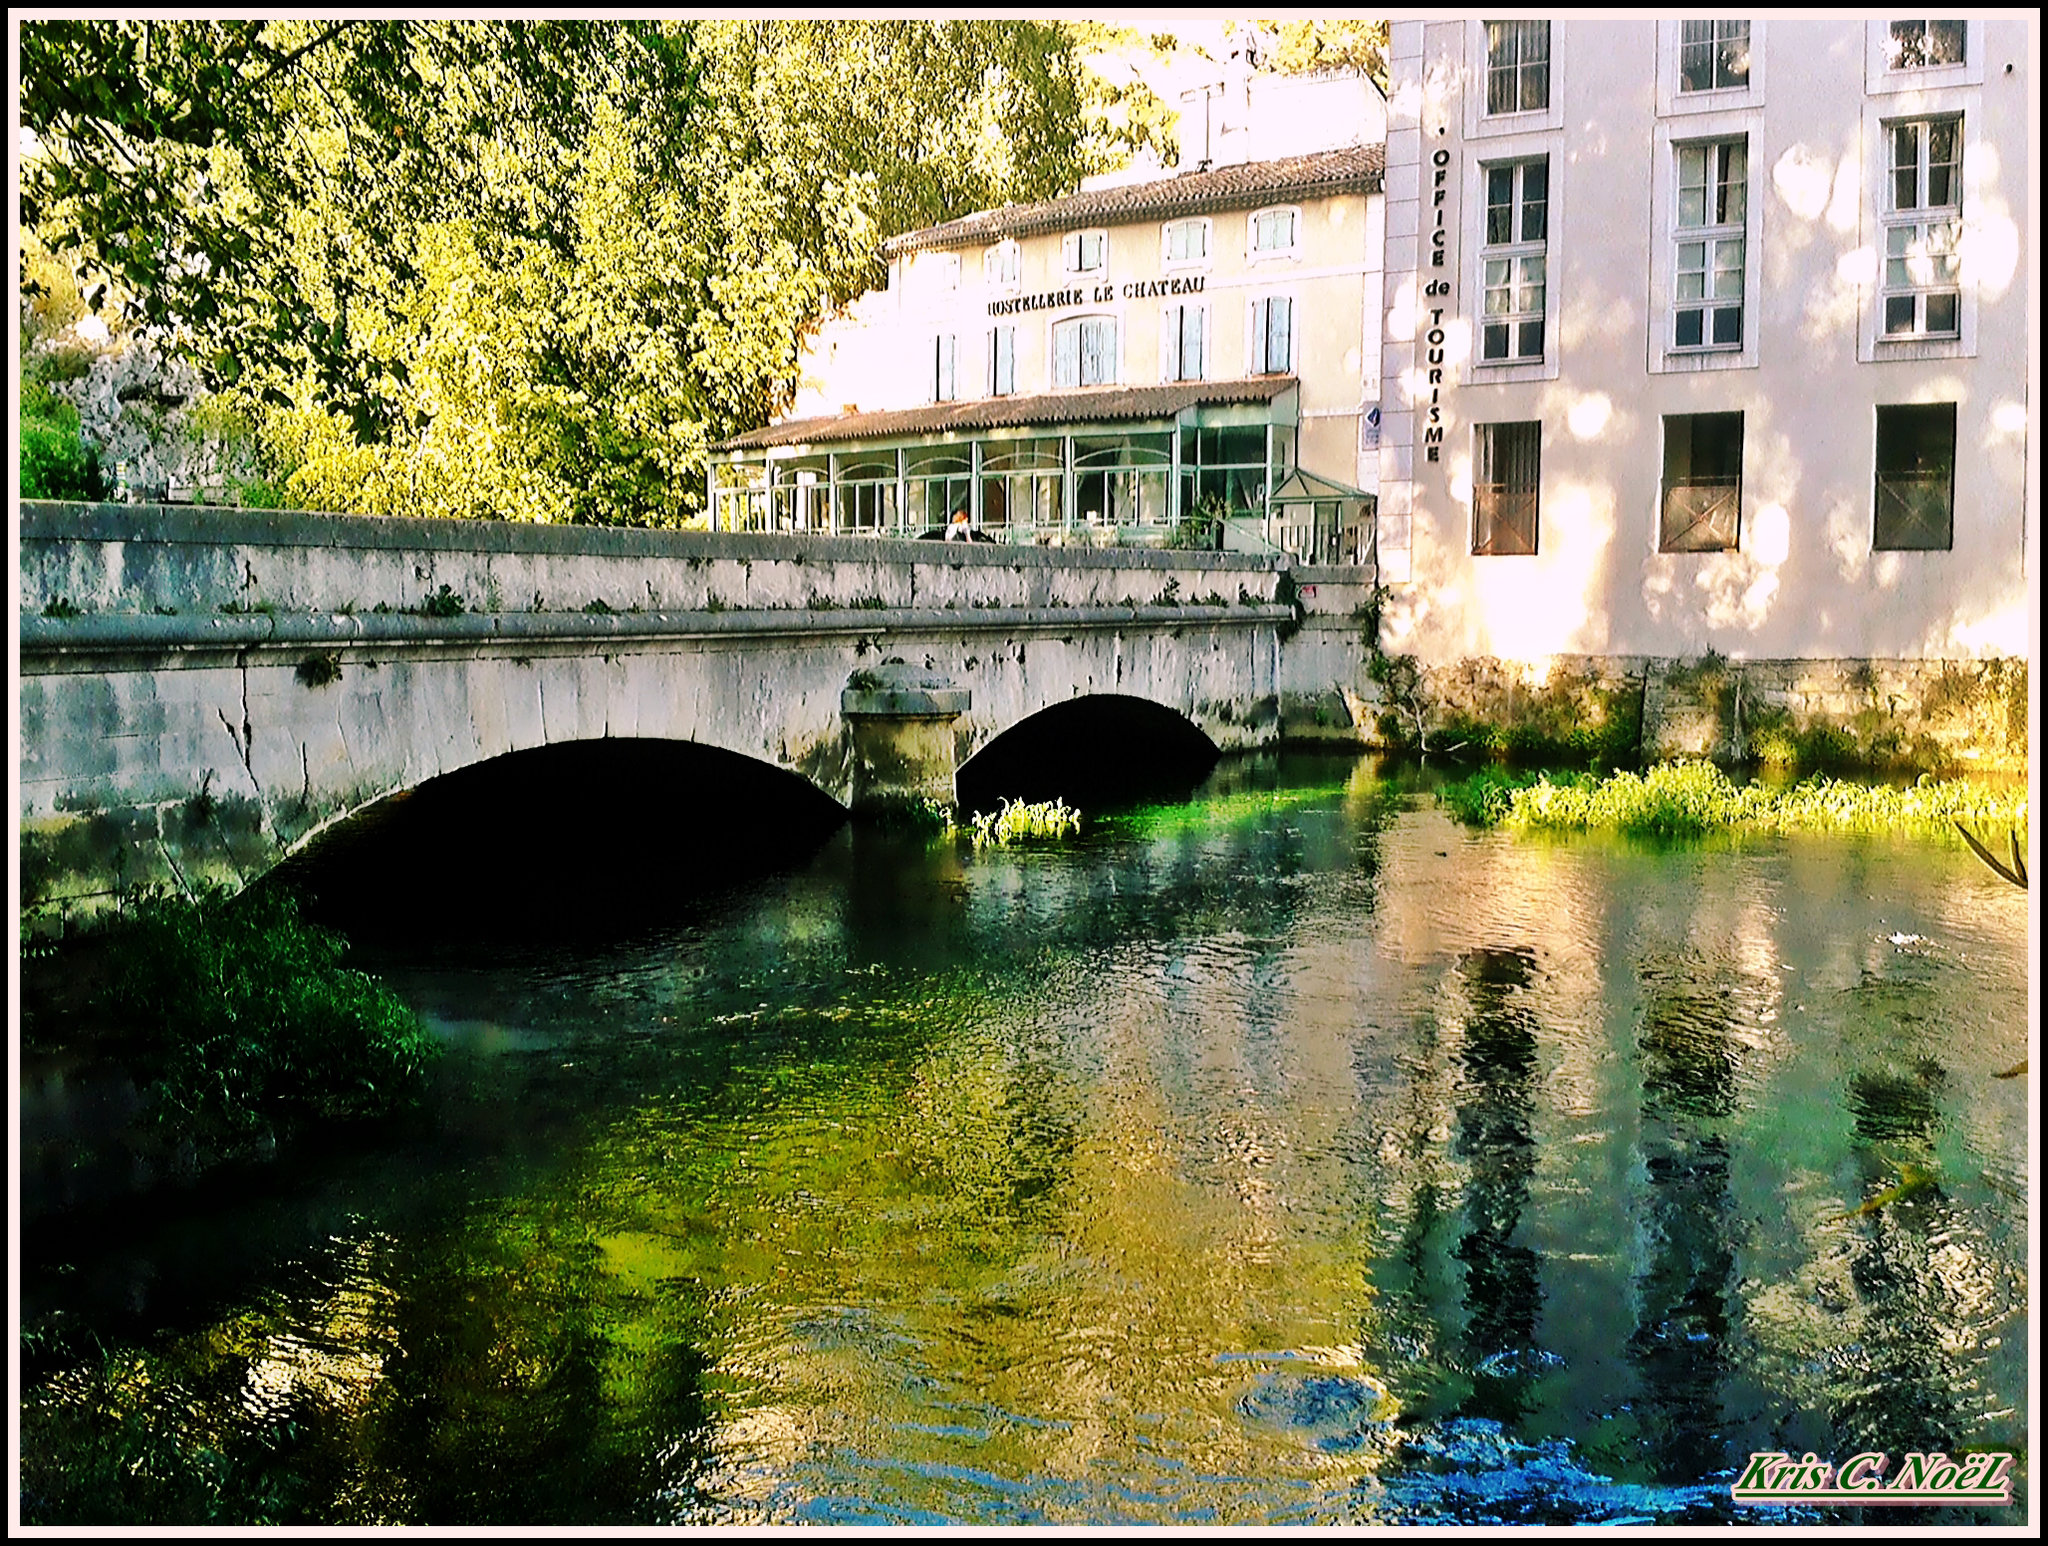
<point>1286,1155</point>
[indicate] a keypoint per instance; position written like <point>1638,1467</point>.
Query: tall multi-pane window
<point>944,380</point>
<point>1707,282</point>
<point>1512,264</point>
<point>1517,66</point>
<point>1702,491</point>
<point>1916,477</point>
<point>1002,361</point>
<point>1181,329</point>
<point>1086,252</point>
<point>1003,264</point>
<point>1272,340</point>
<point>1925,45</point>
<point>1084,352</point>
<point>1922,228</point>
<point>1505,494</point>
<point>1713,55</point>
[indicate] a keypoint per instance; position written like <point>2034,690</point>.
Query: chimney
<point>1198,126</point>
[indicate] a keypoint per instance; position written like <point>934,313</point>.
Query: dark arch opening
<point>1097,753</point>
<point>587,839</point>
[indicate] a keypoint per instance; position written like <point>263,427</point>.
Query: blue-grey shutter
<point>1066,354</point>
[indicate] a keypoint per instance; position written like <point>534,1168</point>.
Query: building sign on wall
<point>1437,290</point>
<point>1136,290</point>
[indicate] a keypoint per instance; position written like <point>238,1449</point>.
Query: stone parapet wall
<point>183,560</point>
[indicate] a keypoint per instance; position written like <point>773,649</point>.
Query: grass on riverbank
<point>249,1021</point>
<point>1692,799</point>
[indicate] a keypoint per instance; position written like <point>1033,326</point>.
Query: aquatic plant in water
<point>1692,799</point>
<point>1018,821</point>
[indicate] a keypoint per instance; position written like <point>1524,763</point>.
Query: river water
<point>1286,1155</point>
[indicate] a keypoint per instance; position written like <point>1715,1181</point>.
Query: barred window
<point>1916,477</point>
<point>1702,489</point>
<point>1506,492</point>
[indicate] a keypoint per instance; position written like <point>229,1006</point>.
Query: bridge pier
<point>899,723</point>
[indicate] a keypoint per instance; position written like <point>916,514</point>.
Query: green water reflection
<point>1289,1155</point>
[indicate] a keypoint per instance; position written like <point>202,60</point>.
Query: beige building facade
<point>1104,367</point>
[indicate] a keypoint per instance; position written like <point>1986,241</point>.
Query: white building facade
<point>1706,335</point>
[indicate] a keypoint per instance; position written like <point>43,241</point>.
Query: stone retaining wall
<point>1883,714</point>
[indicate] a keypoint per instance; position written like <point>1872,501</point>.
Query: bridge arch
<point>554,839</point>
<point>1093,750</point>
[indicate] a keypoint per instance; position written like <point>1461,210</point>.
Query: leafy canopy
<point>523,268</point>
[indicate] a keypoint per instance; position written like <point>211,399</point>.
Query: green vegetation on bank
<point>1692,799</point>
<point>249,1023</point>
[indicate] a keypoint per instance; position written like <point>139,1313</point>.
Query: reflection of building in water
<point>1691,1055</point>
<point>1495,1102</point>
<point>1102,366</point>
<point>1706,333</point>
<point>1920,1286</point>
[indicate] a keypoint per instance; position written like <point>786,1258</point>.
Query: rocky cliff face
<point>148,415</point>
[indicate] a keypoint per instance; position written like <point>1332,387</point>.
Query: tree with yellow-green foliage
<point>523,270</point>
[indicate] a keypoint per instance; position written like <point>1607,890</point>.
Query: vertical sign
<point>1436,291</point>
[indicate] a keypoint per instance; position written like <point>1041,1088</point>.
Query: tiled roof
<point>1354,169</point>
<point>1089,405</point>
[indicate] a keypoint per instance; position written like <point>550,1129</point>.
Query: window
<point>1916,477</point>
<point>938,271</point>
<point>1922,278</point>
<point>1272,336</point>
<point>1924,45</point>
<point>1084,352</point>
<point>1713,55</point>
<point>1003,265</point>
<point>1707,282</point>
<point>1181,331</point>
<point>1187,241</point>
<point>1517,66</point>
<point>1274,231</point>
<point>1504,496</point>
<point>1512,262</point>
<point>1702,497</point>
<point>1086,251</point>
<point>943,381</point>
<point>1002,361</point>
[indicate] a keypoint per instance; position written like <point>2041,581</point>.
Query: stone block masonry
<point>204,690</point>
<point>1887,715</point>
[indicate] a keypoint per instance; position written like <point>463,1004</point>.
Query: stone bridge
<point>202,691</point>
